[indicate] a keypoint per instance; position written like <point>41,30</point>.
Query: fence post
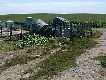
<point>10,24</point>
<point>1,30</point>
<point>21,31</point>
<point>10,31</point>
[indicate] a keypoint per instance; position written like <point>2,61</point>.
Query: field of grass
<point>62,59</point>
<point>99,19</point>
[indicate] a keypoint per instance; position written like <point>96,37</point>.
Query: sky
<point>52,6</point>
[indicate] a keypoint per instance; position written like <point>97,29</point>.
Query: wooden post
<point>21,32</point>
<point>10,31</point>
<point>1,27</point>
<point>1,30</point>
<point>10,24</point>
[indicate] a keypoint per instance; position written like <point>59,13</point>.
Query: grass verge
<point>63,59</point>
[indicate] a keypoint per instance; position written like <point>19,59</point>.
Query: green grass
<point>6,46</point>
<point>62,60</point>
<point>102,60</point>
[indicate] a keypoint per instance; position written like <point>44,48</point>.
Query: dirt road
<point>87,67</point>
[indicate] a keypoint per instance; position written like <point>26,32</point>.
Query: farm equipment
<point>60,27</point>
<point>38,26</point>
<point>64,28</point>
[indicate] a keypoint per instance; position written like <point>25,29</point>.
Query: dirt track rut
<point>87,67</point>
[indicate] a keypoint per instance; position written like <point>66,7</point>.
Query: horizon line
<point>49,13</point>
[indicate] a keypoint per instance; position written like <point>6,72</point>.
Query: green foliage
<point>102,59</point>
<point>103,63</point>
<point>31,39</point>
